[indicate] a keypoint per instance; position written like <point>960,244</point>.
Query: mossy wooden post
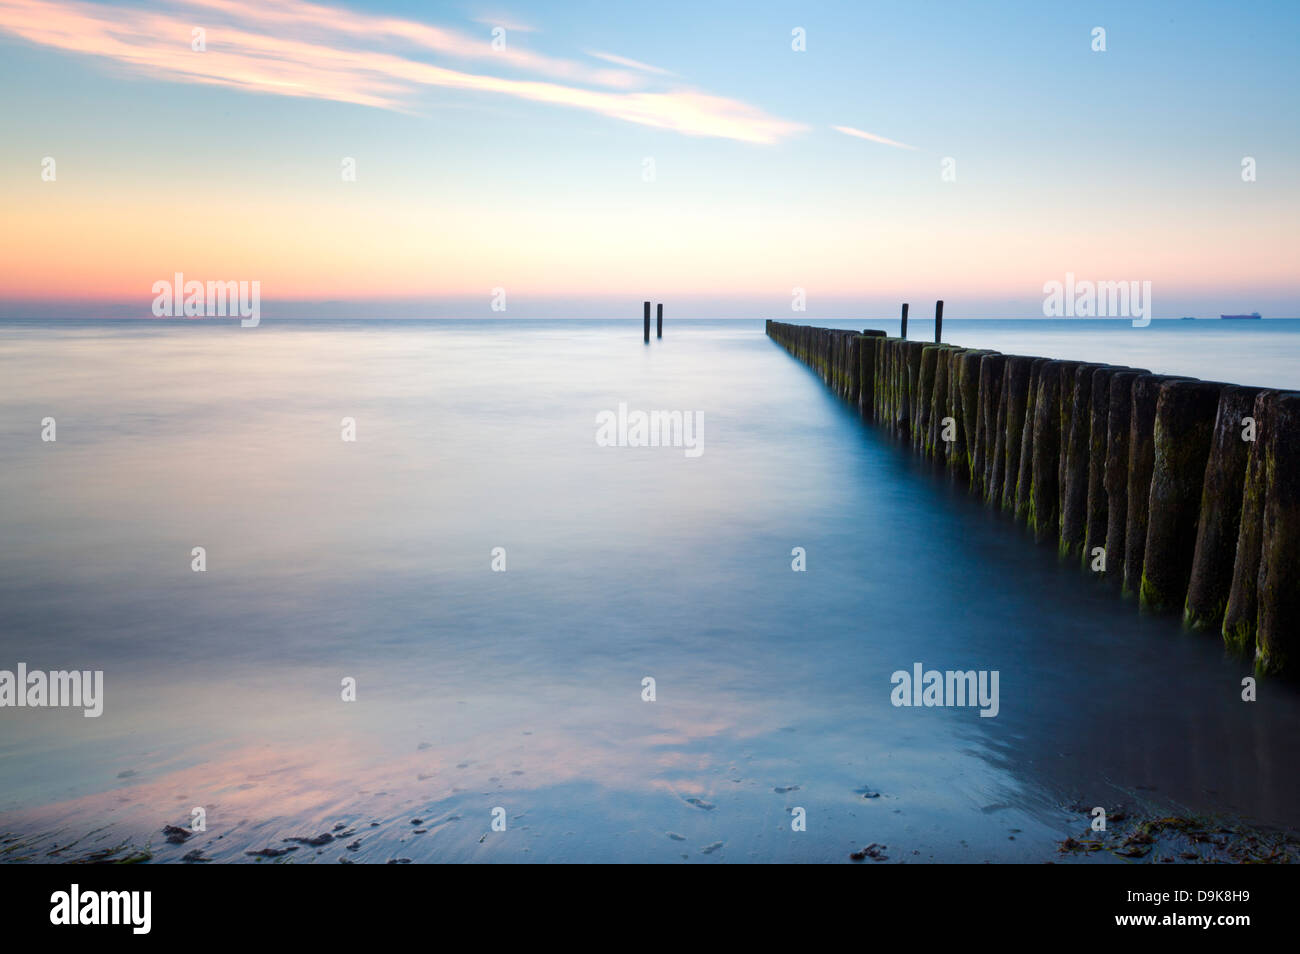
<point>1184,429</point>
<point>988,393</point>
<point>1279,569</point>
<point>882,398</point>
<point>934,446</point>
<point>1025,478</point>
<point>899,418</point>
<point>1044,490</point>
<point>1096,506</point>
<point>837,364</point>
<point>924,395</point>
<point>885,378</point>
<point>1220,518</point>
<point>1141,464</point>
<point>954,450</point>
<point>900,387</point>
<point>938,322</point>
<point>902,323</point>
<point>647,322</point>
<point>1019,373</point>
<point>860,351</point>
<point>1241,618</point>
<point>915,352</point>
<point>1115,479</point>
<point>882,378</point>
<point>968,385</point>
<point>1065,411</point>
<point>1078,452</point>
<point>998,442</point>
<point>852,364</point>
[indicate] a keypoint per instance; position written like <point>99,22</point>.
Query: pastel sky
<point>525,168</point>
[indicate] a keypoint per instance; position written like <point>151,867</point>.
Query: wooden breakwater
<point>1185,493</point>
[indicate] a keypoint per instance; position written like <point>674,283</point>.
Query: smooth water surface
<point>522,689</point>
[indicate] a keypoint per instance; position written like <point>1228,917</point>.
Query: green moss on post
<point>1220,517</point>
<point>1184,429</point>
<point>1279,563</point>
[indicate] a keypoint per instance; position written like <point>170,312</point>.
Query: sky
<point>601,153</point>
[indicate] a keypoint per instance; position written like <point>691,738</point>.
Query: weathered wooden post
<point>938,321</point>
<point>903,332</point>
<point>1219,522</point>
<point>647,322</point>
<point>1025,479</point>
<point>1017,392</point>
<point>1078,453</point>
<point>987,405</point>
<point>1240,619</point>
<point>934,446</point>
<point>1044,489</point>
<point>659,320</point>
<point>1279,560</point>
<point>1184,431</point>
<point>1141,465</point>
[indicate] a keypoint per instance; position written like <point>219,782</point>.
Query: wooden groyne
<point>1184,493</point>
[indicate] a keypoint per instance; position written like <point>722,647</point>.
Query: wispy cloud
<point>630,63</point>
<point>302,49</point>
<point>850,131</point>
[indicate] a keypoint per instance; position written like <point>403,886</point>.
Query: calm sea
<point>372,560</point>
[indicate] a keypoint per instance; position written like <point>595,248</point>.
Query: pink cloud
<point>306,50</point>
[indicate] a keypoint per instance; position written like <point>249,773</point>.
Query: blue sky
<point>1115,165</point>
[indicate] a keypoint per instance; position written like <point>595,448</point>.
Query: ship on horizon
<point>1253,314</point>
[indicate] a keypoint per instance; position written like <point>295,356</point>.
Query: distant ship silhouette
<point>1253,314</point>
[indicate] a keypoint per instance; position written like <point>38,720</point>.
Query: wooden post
<point>1183,436</point>
<point>938,321</point>
<point>903,331</point>
<point>647,322</point>
<point>659,320</point>
<point>1219,523</point>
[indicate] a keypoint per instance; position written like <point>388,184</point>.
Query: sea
<point>383,581</point>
